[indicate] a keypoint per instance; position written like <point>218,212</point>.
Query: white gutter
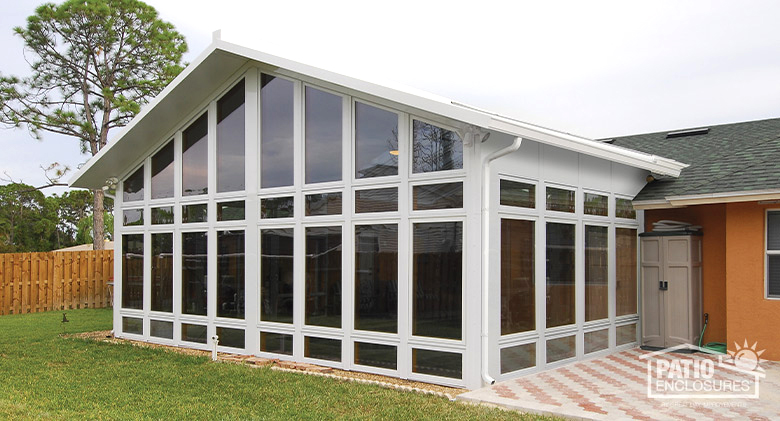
<point>486,250</point>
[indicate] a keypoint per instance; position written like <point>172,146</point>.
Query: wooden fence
<point>34,282</point>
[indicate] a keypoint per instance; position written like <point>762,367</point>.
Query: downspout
<point>486,250</point>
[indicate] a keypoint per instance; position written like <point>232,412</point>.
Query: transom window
<point>435,148</point>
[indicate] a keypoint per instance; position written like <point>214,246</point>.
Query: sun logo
<point>746,358</point>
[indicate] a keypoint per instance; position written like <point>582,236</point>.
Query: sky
<point>593,68</point>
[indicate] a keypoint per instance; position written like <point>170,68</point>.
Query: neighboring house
<point>305,215</point>
<point>731,189</point>
<point>109,245</point>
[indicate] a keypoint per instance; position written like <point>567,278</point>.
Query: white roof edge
<point>418,99</point>
<point>707,199</point>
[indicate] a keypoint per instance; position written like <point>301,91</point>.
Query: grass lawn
<point>43,375</point>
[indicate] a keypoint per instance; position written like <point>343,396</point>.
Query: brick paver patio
<point>615,387</point>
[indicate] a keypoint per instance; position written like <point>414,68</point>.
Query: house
<point>732,190</point>
<point>301,214</point>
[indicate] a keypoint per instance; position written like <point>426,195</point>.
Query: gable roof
<point>221,60</point>
<point>729,163</point>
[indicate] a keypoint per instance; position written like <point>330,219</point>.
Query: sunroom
<point>271,208</point>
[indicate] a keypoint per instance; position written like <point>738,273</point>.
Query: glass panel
<point>230,211</point>
<point>194,160</point>
<point>376,200</point>
<point>561,349</point>
<point>277,131</point>
<point>773,276</point>
<point>276,275</point>
<point>133,217</point>
<point>322,348</point>
<point>596,273</point>
<point>438,196</point>
<point>194,273</point>
<point>624,209</point>
<point>560,200</point>
<point>596,341</point>
<point>323,276</point>
<point>233,338</point>
<point>277,207</point>
<point>376,277</point>
<point>162,172</point>
<point>376,142</point>
<point>134,186</point>
<point>194,333</point>
<point>518,309</point>
<point>133,325</point>
<point>560,274</point>
<point>230,274</point>
<point>626,279</point>
<point>323,204</point>
<point>230,140</point>
<point>277,343</point>
<point>161,329</point>
<point>625,334</point>
<point>518,357</point>
<point>133,271</point>
<point>437,363</point>
<point>162,216</point>
<point>596,204</point>
<point>773,231</point>
<point>435,149</point>
<point>323,136</point>
<point>437,276</point>
<point>162,272</point>
<point>375,355</point>
<point>518,194</point>
<point>194,213</point>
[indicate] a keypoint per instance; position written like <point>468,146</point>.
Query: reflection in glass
<point>561,349</point>
<point>376,142</point>
<point>437,281</point>
<point>134,186</point>
<point>376,355</point>
<point>132,217</point>
<point>323,276</point>
<point>230,274</point>
<point>193,333</point>
<point>278,343</point>
<point>624,209</point>
<point>323,136</point>
<point>276,116</point>
<point>230,211</point>
<point>518,357</point>
<point>435,149</point>
<point>233,338</point>
<point>522,195</point>
<point>437,363</point>
<point>133,325</point>
<point>276,275</point>
<point>322,348</point>
<point>596,204</point>
<point>230,140</point>
<point>162,172</point>
<point>162,272</point>
<point>596,277</point>
<point>626,279</point>
<point>277,207</point>
<point>376,200</point>
<point>376,277</point>
<point>194,159</point>
<point>161,329</point>
<point>560,274</point>
<point>162,215</point>
<point>194,213</point>
<point>596,341</point>
<point>133,271</point>
<point>437,196</point>
<point>194,272</point>
<point>518,311</point>
<point>625,334</point>
<point>323,204</point>
<point>560,200</point>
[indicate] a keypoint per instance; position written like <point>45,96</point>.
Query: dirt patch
<point>290,366</point>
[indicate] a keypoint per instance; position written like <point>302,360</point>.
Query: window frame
<point>768,253</point>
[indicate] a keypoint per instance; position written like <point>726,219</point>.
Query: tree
<point>94,64</point>
<point>27,221</point>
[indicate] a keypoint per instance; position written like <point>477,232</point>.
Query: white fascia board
<point>651,204</point>
<point>725,197</point>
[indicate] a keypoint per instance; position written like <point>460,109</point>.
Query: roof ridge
<point>710,126</point>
